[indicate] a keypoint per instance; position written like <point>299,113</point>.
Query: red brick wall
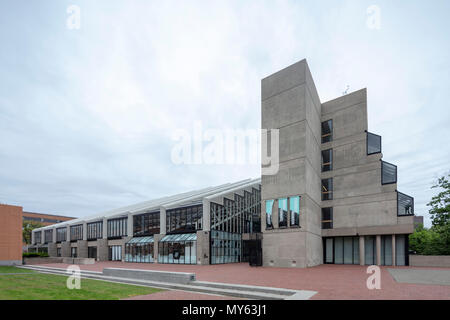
<point>10,232</point>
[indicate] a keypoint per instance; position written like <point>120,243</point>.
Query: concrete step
<point>231,290</point>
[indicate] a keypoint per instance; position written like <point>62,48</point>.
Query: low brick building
<point>10,235</point>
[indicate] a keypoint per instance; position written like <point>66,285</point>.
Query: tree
<point>436,240</point>
<point>27,228</point>
<point>440,203</point>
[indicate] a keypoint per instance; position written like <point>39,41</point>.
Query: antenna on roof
<point>346,90</point>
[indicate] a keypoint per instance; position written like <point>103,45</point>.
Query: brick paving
<point>330,281</point>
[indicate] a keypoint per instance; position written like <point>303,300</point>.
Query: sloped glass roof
<point>141,240</point>
<point>179,237</point>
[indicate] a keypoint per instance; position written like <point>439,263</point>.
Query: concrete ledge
<point>152,275</point>
<point>429,261</point>
<point>41,260</point>
<point>78,260</point>
<point>10,262</point>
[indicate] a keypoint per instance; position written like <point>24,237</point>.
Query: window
<point>269,208</point>
<point>370,250</point>
<point>37,236</point>
<point>76,232</point>
<point>282,212</point>
<point>386,250</point>
<point>373,143</point>
<point>327,131</point>
<point>388,173</point>
<point>405,205</point>
<point>327,160</point>
<point>115,253</point>
<point>327,189</point>
<point>92,252</point>
<point>61,234</point>
<point>117,228</point>
<point>179,248</point>
<point>341,250</point>
<point>327,218</point>
<point>186,219</point>
<point>95,230</point>
<point>225,247</point>
<point>48,235</point>
<point>146,224</point>
<point>294,209</point>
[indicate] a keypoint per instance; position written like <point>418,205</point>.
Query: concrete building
<point>350,209</point>
<point>207,226</point>
<point>10,235</point>
<point>333,199</point>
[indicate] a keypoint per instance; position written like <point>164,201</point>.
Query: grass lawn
<point>39,286</point>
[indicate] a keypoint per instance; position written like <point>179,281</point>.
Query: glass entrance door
<point>329,251</point>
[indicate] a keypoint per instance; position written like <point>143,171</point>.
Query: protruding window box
<point>405,205</point>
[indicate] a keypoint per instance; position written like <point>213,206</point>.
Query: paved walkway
<point>330,281</point>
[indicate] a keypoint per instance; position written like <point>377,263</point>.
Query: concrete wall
<point>429,261</point>
<point>360,201</point>
<point>65,249</point>
<point>39,260</point>
<point>203,247</point>
<point>82,251</point>
<point>102,249</point>
<point>10,235</point>
<point>290,103</point>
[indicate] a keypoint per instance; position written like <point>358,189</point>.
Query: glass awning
<point>141,240</point>
<point>179,237</point>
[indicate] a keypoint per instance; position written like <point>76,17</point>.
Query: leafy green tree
<point>27,228</point>
<point>436,240</point>
<point>440,203</point>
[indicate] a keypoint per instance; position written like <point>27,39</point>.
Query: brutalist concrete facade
<point>361,204</point>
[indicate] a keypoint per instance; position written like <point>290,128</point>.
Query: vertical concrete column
<point>206,215</point>
<point>84,231</point>
<point>68,233</point>
<point>42,237</point>
<point>33,240</point>
<point>361,250</point>
<point>54,235</point>
<point>130,225</point>
<point>82,246</point>
<point>378,250</point>
<point>394,262</point>
<point>105,228</point>
<point>156,239</point>
<point>162,220</point>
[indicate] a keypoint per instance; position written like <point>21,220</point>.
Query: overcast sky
<point>87,115</point>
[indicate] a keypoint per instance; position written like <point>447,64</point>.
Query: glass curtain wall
<point>184,220</point>
<point>178,249</point>
<point>341,250</point>
<point>37,237</point>
<point>140,249</point>
<point>117,228</point>
<point>146,224</point>
<point>225,247</point>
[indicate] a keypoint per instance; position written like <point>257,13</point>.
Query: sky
<point>88,114</point>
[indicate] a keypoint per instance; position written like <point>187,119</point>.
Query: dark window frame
<point>329,164</point>
<point>117,228</point>
<point>94,234</point>
<point>329,221</point>
<point>412,207</point>
<point>327,194</point>
<point>76,232</point>
<point>326,135</point>
<point>382,172</point>
<point>61,233</point>
<point>367,143</point>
